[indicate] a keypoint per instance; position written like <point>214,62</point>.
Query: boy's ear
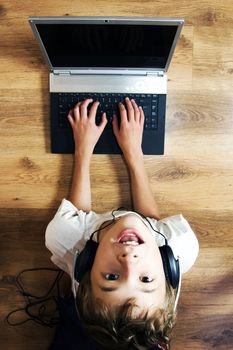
<point>85,260</point>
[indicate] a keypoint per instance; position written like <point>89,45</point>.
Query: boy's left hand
<point>86,132</point>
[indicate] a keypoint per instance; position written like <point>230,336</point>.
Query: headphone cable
<point>42,316</point>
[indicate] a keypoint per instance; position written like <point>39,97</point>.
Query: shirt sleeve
<point>68,232</point>
<point>181,239</point>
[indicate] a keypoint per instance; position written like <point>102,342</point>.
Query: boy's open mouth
<point>130,238</point>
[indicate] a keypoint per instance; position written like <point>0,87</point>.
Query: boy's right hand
<point>86,132</point>
<point>129,133</point>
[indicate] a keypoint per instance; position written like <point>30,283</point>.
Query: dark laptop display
<point>85,45</point>
<point>107,59</point>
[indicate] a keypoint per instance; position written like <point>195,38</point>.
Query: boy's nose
<point>128,256</point>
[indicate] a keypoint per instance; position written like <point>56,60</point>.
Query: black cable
<point>25,293</point>
<point>42,316</point>
<point>99,229</point>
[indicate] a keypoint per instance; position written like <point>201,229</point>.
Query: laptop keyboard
<point>109,104</point>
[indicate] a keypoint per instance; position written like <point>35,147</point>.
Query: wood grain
<point>194,177</point>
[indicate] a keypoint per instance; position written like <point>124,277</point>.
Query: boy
<point>125,300</point>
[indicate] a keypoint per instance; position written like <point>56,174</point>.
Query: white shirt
<point>71,228</point>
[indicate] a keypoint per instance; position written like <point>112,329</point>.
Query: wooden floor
<point>195,176</point>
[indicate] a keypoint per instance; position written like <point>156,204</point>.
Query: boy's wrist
<point>82,157</point>
<point>134,160</point>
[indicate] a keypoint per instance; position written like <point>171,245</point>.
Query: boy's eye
<point>146,279</point>
<point>111,276</point>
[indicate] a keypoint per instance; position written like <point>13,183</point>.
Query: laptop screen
<point>111,45</point>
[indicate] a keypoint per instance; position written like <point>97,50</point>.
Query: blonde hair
<point>116,329</point>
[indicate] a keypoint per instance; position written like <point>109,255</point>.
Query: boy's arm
<point>86,134</point>
<point>143,199</point>
<point>80,193</point>
<point>129,137</point>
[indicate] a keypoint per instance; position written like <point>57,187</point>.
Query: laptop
<point>107,59</point>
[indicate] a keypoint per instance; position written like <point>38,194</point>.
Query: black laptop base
<point>62,141</point>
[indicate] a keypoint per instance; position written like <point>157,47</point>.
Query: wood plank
<point>213,65</point>
<point>44,181</point>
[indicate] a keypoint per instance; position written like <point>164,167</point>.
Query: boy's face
<point>133,269</point>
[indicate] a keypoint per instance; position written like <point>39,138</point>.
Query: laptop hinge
<point>97,72</point>
<point>110,72</point>
<point>155,74</point>
<point>60,72</point>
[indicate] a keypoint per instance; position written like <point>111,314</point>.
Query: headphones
<point>85,259</point>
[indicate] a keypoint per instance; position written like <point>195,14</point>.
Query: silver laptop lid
<point>107,43</point>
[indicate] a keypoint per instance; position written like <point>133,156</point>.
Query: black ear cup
<point>85,260</point>
<point>171,266</point>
